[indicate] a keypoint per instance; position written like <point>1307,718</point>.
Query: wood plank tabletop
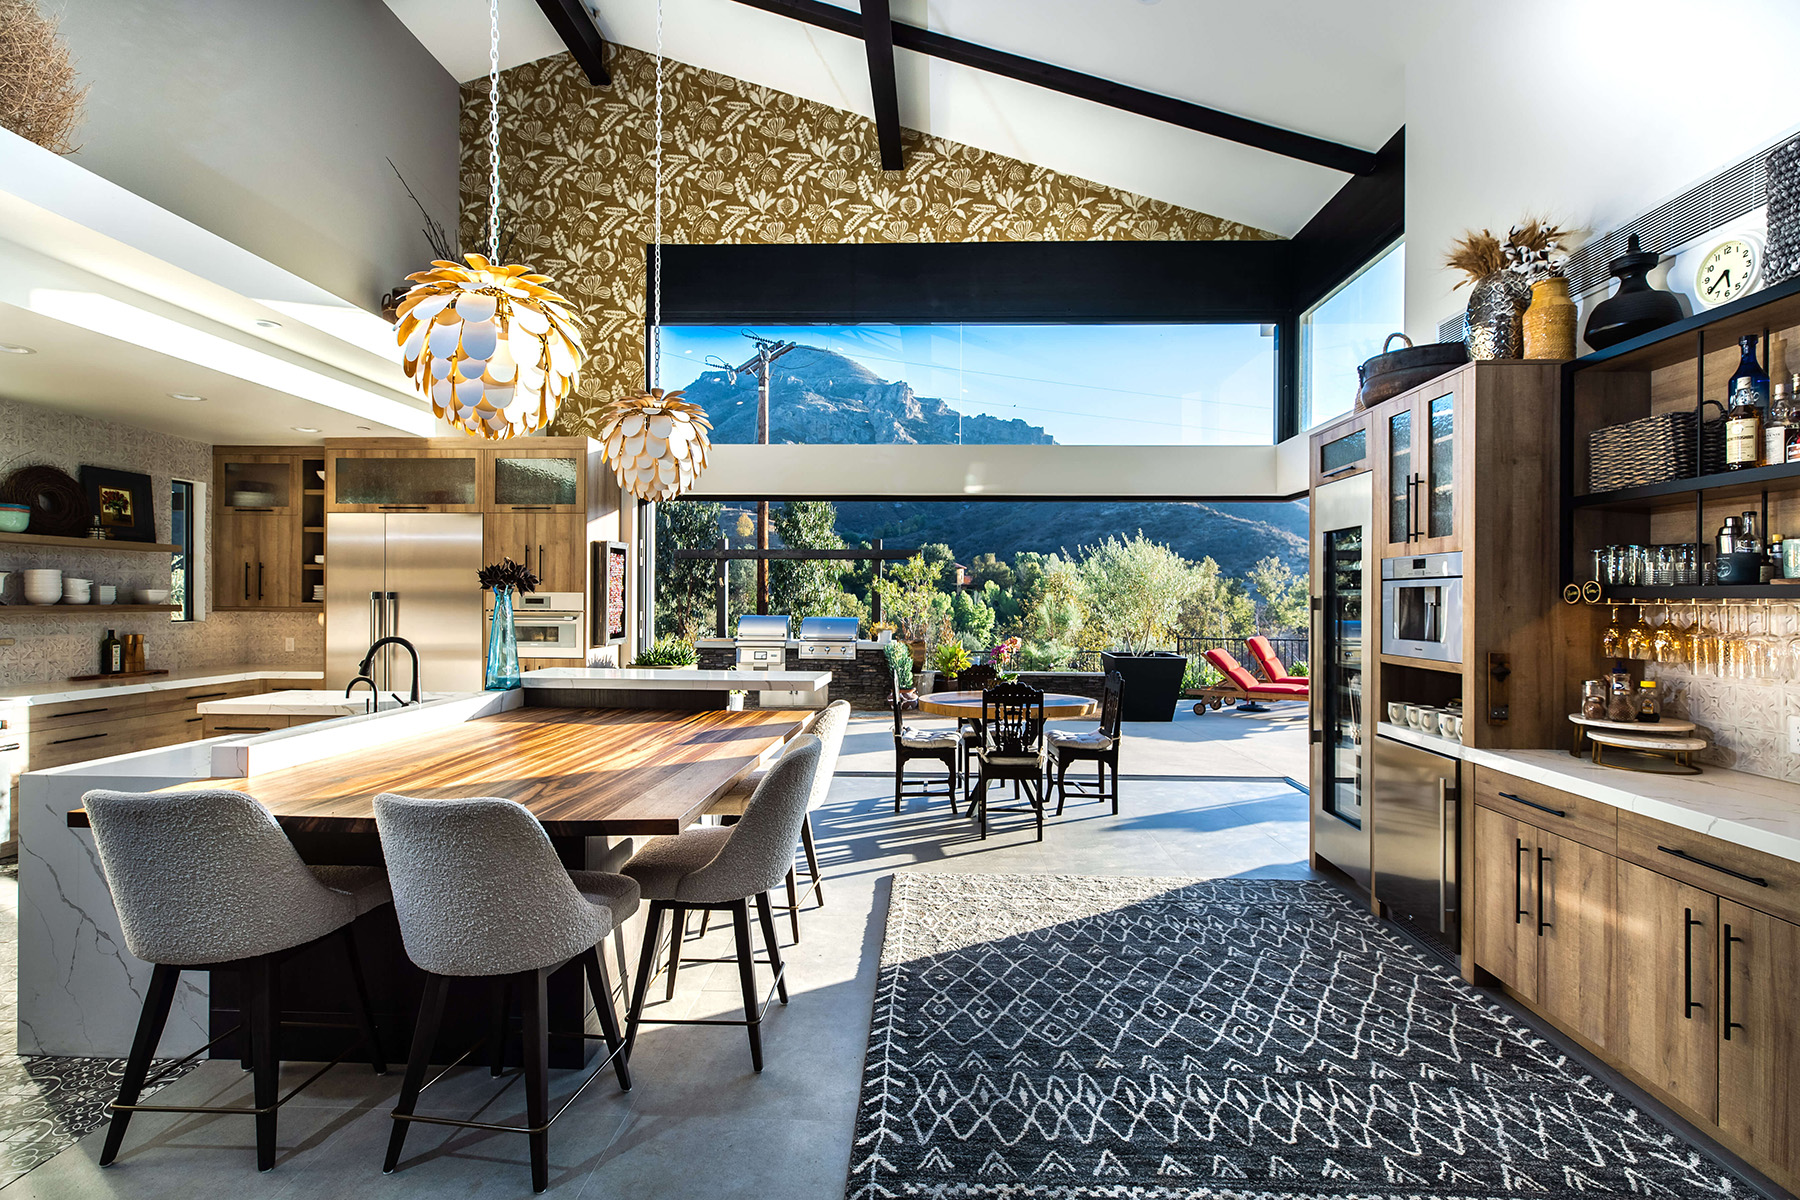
<point>581,771</point>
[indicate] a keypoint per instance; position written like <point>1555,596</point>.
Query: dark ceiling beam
<point>1197,117</point>
<point>1365,217</point>
<point>878,40</point>
<point>576,29</point>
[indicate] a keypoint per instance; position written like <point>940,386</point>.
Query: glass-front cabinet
<point>259,483</point>
<point>536,481</point>
<point>387,480</point>
<point>1419,460</point>
<point>1340,448</point>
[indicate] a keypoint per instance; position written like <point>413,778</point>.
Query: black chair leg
<point>980,801</point>
<point>365,1014</point>
<point>1037,804</point>
<point>740,922</point>
<point>899,780</point>
<point>646,968</point>
<point>1062,783</point>
<point>609,1020</point>
<point>619,951</point>
<point>677,931</point>
<point>766,914</point>
<point>431,1010</point>
<point>812,856</point>
<point>265,1052</point>
<point>151,1020</point>
<point>793,895</point>
<point>499,1008</point>
<point>535,1003</point>
<point>1112,768</point>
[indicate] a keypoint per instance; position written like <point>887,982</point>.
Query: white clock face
<point>1726,272</point>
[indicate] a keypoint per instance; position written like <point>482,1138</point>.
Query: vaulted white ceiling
<point>1331,68</point>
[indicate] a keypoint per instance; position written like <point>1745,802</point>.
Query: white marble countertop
<point>311,704</point>
<point>55,693</point>
<point>676,680</point>
<point>1746,810</point>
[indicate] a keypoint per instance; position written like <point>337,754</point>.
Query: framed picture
<point>122,502</point>
<point>609,565</point>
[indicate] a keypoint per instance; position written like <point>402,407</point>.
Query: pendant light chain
<point>494,131</point>
<point>656,219</point>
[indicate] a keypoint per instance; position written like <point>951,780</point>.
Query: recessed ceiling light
<point>186,396</point>
<point>305,429</point>
<point>5,348</point>
<point>265,323</point>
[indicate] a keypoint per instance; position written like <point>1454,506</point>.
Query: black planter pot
<point>1152,683</point>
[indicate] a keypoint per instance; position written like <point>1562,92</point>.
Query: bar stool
<point>207,881</point>
<point>480,893</point>
<point>723,868</point>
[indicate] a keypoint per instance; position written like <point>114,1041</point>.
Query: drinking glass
<point>1640,638</point>
<point>1687,569</point>
<point>1734,653</point>
<point>1665,565</point>
<point>1612,642</point>
<point>1600,565</point>
<point>1666,646</point>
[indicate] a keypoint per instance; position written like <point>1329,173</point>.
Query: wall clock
<point>1727,271</point>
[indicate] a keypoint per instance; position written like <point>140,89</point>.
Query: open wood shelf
<point>1752,481</point>
<point>84,610</point>
<point>1775,307</point>
<point>69,543</point>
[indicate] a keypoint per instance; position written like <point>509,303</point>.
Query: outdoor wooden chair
<point>1239,685</point>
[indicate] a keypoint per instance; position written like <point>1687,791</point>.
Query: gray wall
<point>269,122</point>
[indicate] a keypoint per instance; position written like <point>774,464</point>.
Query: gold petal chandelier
<point>656,441</point>
<point>494,350</point>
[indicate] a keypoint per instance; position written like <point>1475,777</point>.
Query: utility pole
<point>766,353</point>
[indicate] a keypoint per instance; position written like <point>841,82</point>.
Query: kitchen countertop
<point>643,679</point>
<point>310,704</point>
<point>55,693</point>
<point>1752,811</point>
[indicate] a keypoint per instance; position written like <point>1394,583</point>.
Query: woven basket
<point>1652,450</point>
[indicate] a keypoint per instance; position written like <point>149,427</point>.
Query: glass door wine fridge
<point>1342,724</point>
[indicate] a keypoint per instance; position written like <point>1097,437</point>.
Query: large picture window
<point>1344,330</point>
<point>986,384</point>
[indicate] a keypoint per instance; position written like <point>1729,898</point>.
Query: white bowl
<point>106,593</point>
<point>43,593</point>
<point>151,595</point>
<point>44,573</point>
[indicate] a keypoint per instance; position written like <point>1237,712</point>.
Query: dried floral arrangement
<point>1533,249</point>
<point>508,574</point>
<point>39,99</point>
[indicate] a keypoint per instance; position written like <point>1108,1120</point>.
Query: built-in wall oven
<point>1421,607</point>
<point>548,624</point>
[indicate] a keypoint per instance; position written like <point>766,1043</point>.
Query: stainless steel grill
<point>762,642</point>
<point>832,638</point>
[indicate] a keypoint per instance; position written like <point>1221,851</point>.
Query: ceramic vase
<point>503,645</point>
<point>1636,308</point>
<point>1550,321</point>
<point>1493,326</point>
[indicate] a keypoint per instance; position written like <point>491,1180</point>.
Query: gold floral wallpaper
<point>741,163</point>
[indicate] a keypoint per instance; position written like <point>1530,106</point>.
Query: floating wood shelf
<point>83,610</point>
<point>68,543</point>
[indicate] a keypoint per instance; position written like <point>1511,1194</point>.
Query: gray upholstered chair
<point>480,892</point>
<point>828,726</point>
<point>723,867</point>
<point>206,880</point>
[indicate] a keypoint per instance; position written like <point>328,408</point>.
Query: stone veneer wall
<point>47,650</point>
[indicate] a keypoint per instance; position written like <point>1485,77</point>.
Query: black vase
<point>1636,308</point>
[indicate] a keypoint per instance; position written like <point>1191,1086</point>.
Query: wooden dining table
<point>967,705</point>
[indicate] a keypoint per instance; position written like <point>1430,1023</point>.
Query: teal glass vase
<point>503,645</point>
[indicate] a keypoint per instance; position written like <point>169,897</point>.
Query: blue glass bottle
<point>503,645</point>
<point>1750,385</point>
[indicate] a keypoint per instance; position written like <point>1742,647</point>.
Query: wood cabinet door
<point>1574,885</point>
<point>256,483</point>
<point>1759,1044</point>
<point>549,545</point>
<point>1341,449</point>
<point>1396,427</point>
<point>543,481</point>
<point>1665,1019</point>
<point>1506,912</point>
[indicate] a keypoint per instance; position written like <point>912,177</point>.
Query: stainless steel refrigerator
<point>1342,725</point>
<point>411,575</point>
<point>1417,872</point>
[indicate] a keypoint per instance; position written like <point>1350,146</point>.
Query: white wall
<point>1585,111</point>
<point>270,124</point>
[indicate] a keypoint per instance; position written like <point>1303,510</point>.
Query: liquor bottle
<point>1743,432</point>
<point>1773,569</point>
<point>1780,425</point>
<point>1751,382</point>
<point>112,654</point>
<point>1747,541</point>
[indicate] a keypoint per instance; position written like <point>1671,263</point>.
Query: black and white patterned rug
<point>1064,1037</point>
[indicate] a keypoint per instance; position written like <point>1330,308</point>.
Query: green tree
<point>1008,612</point>
<point>986,567</point>
<point>684,587</point>
<point>1139,589</point>
<point>1282,596</point>
<point>910,598</point>
<point>938,556</point>
<point>971,615</point>
<point>805,588</point>
<point>1218,606</point>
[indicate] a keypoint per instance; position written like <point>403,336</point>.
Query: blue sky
<point>1084,384</point>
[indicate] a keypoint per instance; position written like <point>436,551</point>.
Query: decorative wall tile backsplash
<point>45,649</point>
<point>1746,720</point>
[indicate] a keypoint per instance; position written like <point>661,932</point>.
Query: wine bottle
<point>112,654</point>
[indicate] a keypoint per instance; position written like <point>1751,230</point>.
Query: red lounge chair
<point>1239,684</point>
<point>1268,663</point>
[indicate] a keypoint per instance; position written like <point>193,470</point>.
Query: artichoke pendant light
<point>656,441</point>
<point>494,350</point>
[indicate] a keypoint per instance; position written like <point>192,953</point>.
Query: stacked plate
<point>319,592</point>
<point>44,586</point>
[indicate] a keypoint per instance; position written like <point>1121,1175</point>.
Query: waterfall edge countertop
<point>581,771</point>
<point>640,679</point>
<point>313,703</point>
<point>55,693</point>
<point>1751,811</point>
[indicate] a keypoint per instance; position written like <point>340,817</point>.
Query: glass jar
<point>1593,700</point>
<point>1621,705</point>
<point>1649,703</point>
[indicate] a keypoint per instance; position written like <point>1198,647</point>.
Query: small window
<point>183,570</point>
<point>1344,330</point>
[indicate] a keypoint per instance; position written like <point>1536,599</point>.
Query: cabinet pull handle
<point>1443,855</point>
<point>1519,912</point>
<point>1687,965</point>
<point>86,737</point>
<point>540,570</point>
<point>1555,812</point>
<point>246,580</point>
<point>1684,856</point>
<point>402,507</point>
<point>259,590</point>
<point>207,695</point>
<point>1409,509</point>
<point>1335,471</point>
<point>530,507</point>
<point>240,508</point>
<point>1419,507</point>
<point>1542,924</point>
<point>80,712</point>
<point>1726,966</point>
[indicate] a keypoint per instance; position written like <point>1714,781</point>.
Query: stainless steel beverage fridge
<point>1342,725</point>
<point>1417,880</point>
<point>410,575</point>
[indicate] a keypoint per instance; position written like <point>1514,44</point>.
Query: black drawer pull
<point>86,737</point>
<point>403,507</point>
<point>207,695</point>
<point>244,728</point>
<point>1684,856</point>
<point>1555,812</point>
<point>240,508</point>
<point>80,712</point>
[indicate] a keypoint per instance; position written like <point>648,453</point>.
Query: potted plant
<point>901,664</point>
<point>1138,589</point>
<point>669,653</point>
<point>951,660</point>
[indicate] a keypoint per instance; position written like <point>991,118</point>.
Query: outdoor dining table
<point>967,705</point>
